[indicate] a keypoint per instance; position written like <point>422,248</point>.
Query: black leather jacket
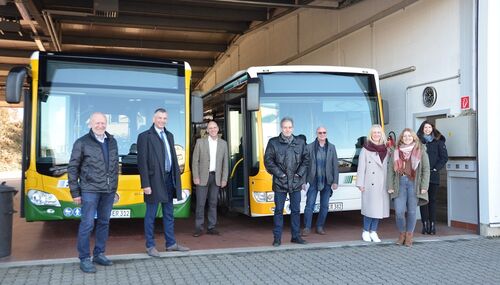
<point>87,171</point>
<point>287,163</point>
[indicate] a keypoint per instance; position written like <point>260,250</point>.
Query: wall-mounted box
<point>461,135</point>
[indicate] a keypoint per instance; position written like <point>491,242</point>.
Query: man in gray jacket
<point>323,177</point>
<point>93,179</point>
<point>210,173</point>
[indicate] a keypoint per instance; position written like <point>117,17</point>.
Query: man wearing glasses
<point>323,177</point>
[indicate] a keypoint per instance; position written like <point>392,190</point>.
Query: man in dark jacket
<point>160,180</point>
<point>323,177</point>
<point>287,159</point>
<point>93,179</point>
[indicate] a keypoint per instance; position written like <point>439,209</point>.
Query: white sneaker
<point>374,237</point>
<point>366,236</point>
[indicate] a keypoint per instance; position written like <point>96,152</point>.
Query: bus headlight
<point>41,198</point>
<point>263,197</point>
<point>185,195</point>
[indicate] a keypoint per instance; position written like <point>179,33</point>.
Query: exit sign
<point>465,102</point>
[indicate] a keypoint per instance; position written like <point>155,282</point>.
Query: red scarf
<point>380,149</point>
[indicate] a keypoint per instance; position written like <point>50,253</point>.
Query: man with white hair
<point>93,180</point>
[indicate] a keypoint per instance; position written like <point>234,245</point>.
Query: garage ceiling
<point>196,31</point>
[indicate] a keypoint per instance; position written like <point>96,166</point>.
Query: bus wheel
<point>223,201</point>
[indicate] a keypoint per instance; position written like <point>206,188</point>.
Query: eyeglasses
<point>321,133</point>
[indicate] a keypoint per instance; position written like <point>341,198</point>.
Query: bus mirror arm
<point>15,82</point>
<point>253,98</point>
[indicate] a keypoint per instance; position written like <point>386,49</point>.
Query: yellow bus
<point>249,106</point>
<point>63,90</point>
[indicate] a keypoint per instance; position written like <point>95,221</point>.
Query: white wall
<point>489,106</point>
<point>425,34</point>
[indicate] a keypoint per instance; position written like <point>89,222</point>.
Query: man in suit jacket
<point>160,180</point>
<point>210,172</point>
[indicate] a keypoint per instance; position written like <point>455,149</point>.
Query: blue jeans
<point>168,223</point>
<point>406,202</point>
<point>324,198</point>
<point>370,224</point>
<point>279,203</point>
<point>92,202</point>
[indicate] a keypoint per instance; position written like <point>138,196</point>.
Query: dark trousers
<point>211,190</point>
<point>94,204</point>
<point>428,212</point>
<point>168,217</point>
<point>279,203</point>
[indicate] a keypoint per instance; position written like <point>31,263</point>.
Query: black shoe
<point>276,242</point>
<point>298,240</point>
<point>213,232</point>
<point>425,227</point>
<point>197,233</point>
<point>101,259</point>
<point>87,266</point>
<point>432,228</point>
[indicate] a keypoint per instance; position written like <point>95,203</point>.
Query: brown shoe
<point>320,231</point>
<point>409,239</point>
<point>305,232</point>
<point>401,239</point>
<point>197,233</point>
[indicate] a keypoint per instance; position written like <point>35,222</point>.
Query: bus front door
<point>237,194</point>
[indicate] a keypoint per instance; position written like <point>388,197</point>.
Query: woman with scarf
<point>438,156</point>
<point>408,180</point>
<point>371,181</point>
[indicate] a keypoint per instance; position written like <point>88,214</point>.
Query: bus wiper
<point>58,170</point>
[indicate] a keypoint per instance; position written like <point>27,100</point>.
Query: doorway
<point>442,195</point>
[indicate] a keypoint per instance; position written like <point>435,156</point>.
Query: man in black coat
<point>160,180</point>
<point>93,180</point>
<point>287,159</point>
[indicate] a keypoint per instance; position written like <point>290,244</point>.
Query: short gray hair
<point>286,119</point>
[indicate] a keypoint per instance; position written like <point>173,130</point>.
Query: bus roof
<point>254,71</point>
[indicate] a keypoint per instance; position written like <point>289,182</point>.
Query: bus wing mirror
<point>15,82</point>
<point>385,109</point>
<point>253,98</point>
<point>196,108</point>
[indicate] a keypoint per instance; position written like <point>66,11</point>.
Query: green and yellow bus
<point>249,106</point>
<point>64,89</point>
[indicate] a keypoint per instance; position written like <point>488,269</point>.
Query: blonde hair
<point>413,134</point>
<point>383,137</point>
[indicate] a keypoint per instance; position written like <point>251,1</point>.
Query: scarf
<point>288,140</point>
<point>405,153</point>
<point>380,149</point>
<point>428,138</point>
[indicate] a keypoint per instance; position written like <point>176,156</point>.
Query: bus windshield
<point>346,104</point>
<point>71,91</point>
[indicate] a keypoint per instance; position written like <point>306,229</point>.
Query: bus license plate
<point>337,206</point>
<point>120,213</point>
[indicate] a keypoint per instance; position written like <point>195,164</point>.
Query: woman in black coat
<point>438,156</point>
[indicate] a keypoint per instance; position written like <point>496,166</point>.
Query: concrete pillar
<point>488,50</point>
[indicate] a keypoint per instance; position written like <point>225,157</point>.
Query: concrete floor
<point>57,239</point>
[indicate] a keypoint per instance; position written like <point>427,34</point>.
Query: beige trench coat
<point>372,173</point>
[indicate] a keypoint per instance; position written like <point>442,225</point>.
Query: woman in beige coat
<point>371,181</point>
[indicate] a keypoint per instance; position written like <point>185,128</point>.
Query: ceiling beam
<point>16,53</point>
<point>168,9</point>
<point>157,22</point>
<point>199,61</point>
<point>143,44</point>
<point>268,4</point>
